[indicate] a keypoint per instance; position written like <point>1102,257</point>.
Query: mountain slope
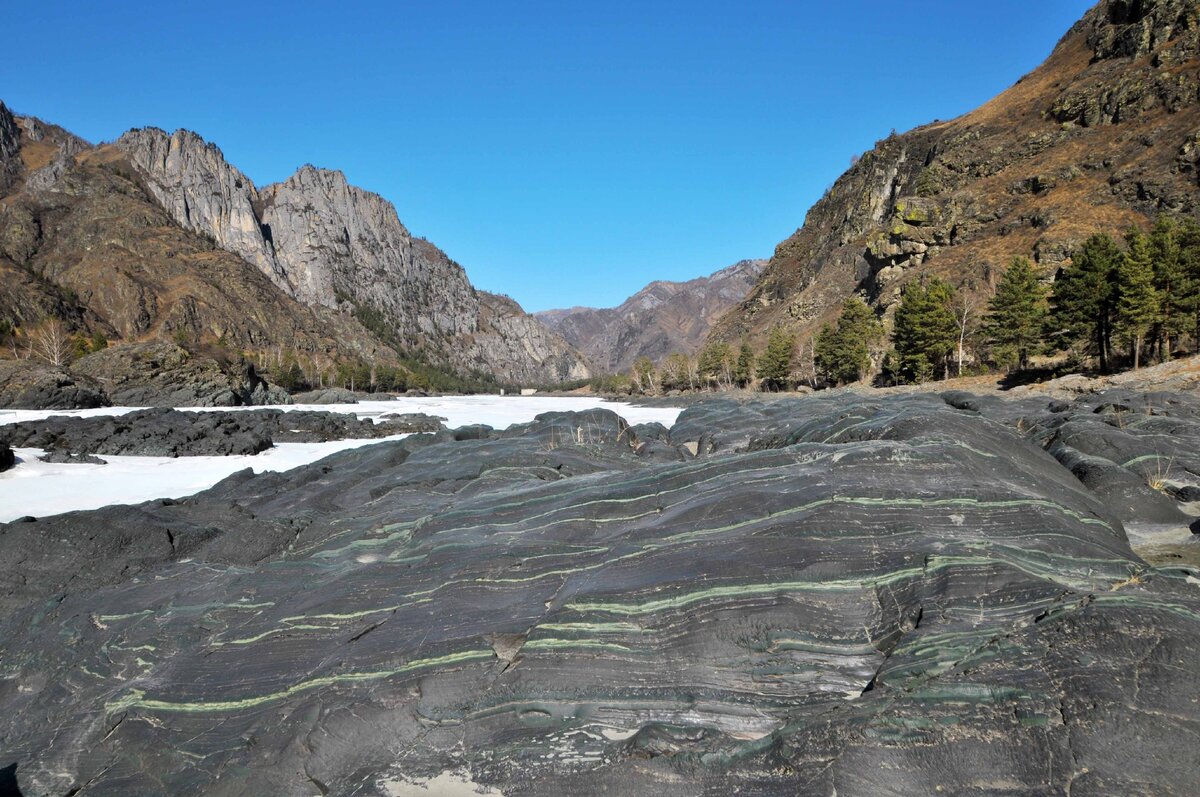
<point>81,240</point>
<point>1106,133</point>
<point>662,318</point>
<point>327,243</point>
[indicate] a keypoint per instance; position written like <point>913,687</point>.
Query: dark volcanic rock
<point>7,459</point>
<point>834,595</point>
<point>328,395</point>
<point>165,375</point>
<point>29,385</point>
<point>171,433</point>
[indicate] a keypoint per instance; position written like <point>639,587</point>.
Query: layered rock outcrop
<point>1100,137</point>
<point>660,319</point>
<point>828,595</point>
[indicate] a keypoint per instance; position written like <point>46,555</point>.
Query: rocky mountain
<point>327,243</point>
<point>1104,134</point>
<point>662,318</point>
<point>157,237</point>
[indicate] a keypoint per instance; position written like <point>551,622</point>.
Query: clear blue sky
<point>564,152</point>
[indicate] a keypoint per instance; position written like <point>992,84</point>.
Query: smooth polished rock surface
<point>836,594</point>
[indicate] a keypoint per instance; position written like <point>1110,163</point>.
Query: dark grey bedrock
<point>837,594</point>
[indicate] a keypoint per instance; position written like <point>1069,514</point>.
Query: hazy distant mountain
<point>662,318</point>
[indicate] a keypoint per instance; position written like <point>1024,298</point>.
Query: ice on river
<point>39,488</point>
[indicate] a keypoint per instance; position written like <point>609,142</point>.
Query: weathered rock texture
<point>660,319</point>
<point>829,595</point>
<point>165,375</point>
<point>172,433</point>
<point>95,250</point>
<point>327,243</point>
<point>1103,135</point>
<point>149,238</point>
<point>27,384</point>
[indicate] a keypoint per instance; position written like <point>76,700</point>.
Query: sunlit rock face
<point>330,244</point>
<point>828,595</point>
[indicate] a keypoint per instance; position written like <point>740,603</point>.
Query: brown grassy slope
<point>1101,136</point>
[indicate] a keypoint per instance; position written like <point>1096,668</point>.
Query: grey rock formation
<point>167,432</point>
<point>662,318</point>
<point>328,243</point>
<point>10,148</point>
<point>68,145</point>
<point>27,384</point>
<point>515,343</point>
<point>191,179</point>
<point>165,375</point>
<point>838,594</point>
<point>336,242</point>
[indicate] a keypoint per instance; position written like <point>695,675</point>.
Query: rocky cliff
<point>1106,133</point>
<point>327,243</point>
<point>662,318</point>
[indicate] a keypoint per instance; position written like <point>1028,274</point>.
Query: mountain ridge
<point>339,261</point>
<point>614,338</point>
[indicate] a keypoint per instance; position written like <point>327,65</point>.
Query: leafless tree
<point>51,341</point>
<point>966,315</point>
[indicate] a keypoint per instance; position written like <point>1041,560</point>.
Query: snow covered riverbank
<point>39,489</point>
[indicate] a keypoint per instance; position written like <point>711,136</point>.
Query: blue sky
<point>565,153</point>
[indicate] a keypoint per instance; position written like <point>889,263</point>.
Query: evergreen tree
<point>743,371</point>
<point>926,331</point>
<point>775,364</point>
<point>1171,282</point>
<point>842,354</point>
<point>1189,257</point>
<point>1138,301</point>
<point>1084,300</point>
<point>1017,315</point>
<point>716,364</point>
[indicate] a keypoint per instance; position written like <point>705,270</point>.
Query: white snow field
<point>39,488</point>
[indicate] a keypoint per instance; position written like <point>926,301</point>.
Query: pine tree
<point>1017,315</point>
<point>775,363</point>
<point>1189,257</point>
<point>842,354</point>
<point>1171,282</point>
<point>743,371</point>
<point>926,331</point>
<point>1138,301</point>
<point>716,364</point>
<point>1084,299</point>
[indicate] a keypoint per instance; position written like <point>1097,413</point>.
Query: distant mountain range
<point>156,236</point>
<point>1105,134</point>
<point>660,319</point>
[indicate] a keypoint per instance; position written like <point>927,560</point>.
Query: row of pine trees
<point>1113,306</point>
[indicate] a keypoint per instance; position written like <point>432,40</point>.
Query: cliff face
<point>329,244</point>
<point>10,148</point>
<point>662,318</point>
<point>203,193</point>
<point>97,250</point>
<point>337,242</point>
<point>1106,133</point>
